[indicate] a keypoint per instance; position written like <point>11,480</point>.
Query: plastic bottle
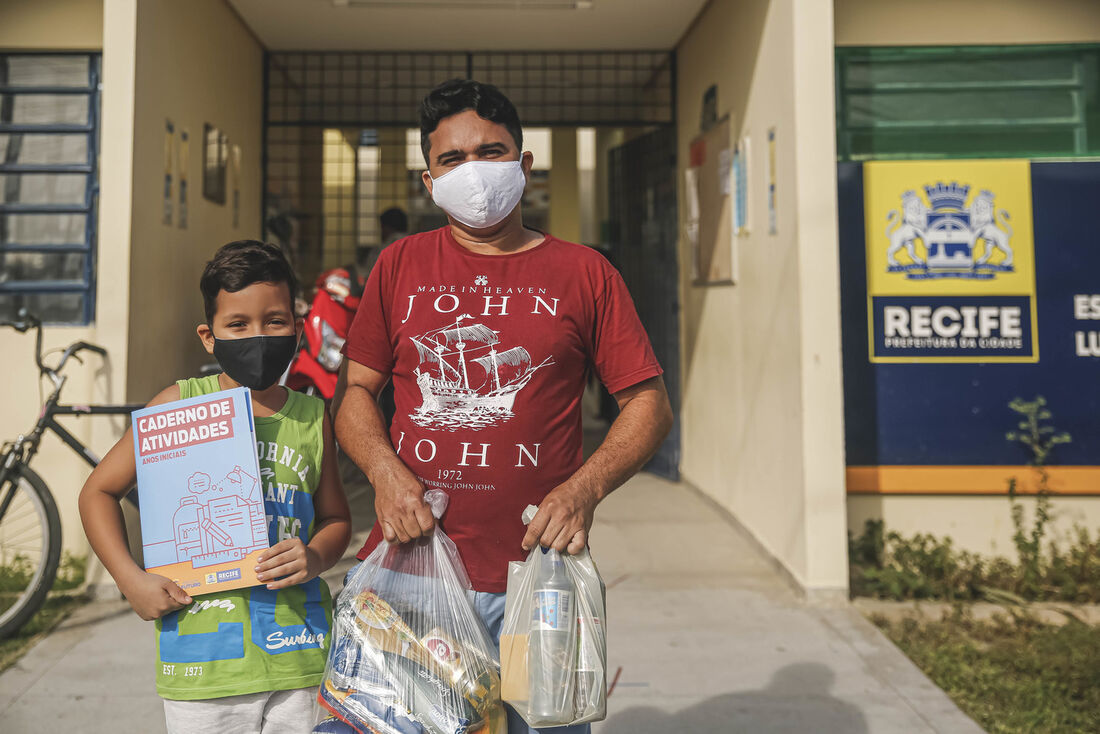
<point>590,676</point>
<point>551,644</point>
<point>590,699</point>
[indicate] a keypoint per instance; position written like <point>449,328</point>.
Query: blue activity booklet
<point>202,510</point>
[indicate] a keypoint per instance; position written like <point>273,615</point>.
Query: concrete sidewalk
<point>703,636</point>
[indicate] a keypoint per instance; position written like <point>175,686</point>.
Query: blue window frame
<point>49,125</point>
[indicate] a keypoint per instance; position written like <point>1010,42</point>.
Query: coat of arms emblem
<point>958,241</point>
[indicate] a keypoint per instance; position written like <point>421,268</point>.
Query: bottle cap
<point>529,514</point>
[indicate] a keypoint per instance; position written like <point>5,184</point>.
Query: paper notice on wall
<point>691,226</point>
<point>740,192</point>
<point>184,151</point>
<point>771,182</point>
<point>169,140</point>
<point>725,165</point>
<point>235,165</point>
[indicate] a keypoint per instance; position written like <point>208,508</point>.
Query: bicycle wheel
<point>30,547</point>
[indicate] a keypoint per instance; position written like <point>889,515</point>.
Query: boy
<point>248,659</point>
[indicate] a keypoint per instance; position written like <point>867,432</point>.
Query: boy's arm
<point>150,595</point>
<point>293,562</point>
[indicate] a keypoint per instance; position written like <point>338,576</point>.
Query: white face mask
<point>480,193</point>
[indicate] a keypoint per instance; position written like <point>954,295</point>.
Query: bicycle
<point>30,529</point>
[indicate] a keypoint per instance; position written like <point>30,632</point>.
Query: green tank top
<point>252,640</point>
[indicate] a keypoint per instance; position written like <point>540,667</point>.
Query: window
<point>968,102</point>
<point>49,114</point>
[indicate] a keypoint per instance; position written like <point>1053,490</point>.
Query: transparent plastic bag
<point>553,646</point>
<point>409,655</point>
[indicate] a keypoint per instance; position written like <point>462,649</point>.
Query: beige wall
<point>196,63</point>
<point>978,524</point>
<point>69,25</point>
<point>761,396</point>
<point>947,22</point>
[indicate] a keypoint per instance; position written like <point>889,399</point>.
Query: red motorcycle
<point>314,369</point>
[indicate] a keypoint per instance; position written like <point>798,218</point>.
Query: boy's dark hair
<point>240,264</point>
<point>458,95</point>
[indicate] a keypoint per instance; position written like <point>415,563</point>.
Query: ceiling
<point>468,25</point>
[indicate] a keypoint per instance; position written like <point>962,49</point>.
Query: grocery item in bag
<point>553,650</point>
<point>409,654</point>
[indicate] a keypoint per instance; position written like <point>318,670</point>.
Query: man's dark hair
<point>459,95</point>
<point>394,219</point>
<point>240,264</point>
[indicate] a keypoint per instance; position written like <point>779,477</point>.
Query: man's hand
<point>563,520</point>
<point>398,495</point>
<point>290,561</point>
<point>152,596</point>
<point>400,506</point>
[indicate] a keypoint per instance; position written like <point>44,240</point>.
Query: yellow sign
<point>950,261</point>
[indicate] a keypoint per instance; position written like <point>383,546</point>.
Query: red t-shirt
<point>489,355</point>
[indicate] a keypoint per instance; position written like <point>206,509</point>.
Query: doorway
<point>341,146</point>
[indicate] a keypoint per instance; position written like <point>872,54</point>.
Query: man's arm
<point>361,431</point>
<point>565,515</point>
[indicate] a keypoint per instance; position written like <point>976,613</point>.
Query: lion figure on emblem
<point>903,229</point>
<point>990,224</point>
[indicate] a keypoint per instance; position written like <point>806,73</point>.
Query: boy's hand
<point>152,596</point>
<point>290,561</point>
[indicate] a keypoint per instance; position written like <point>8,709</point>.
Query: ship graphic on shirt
<point>464,380</point>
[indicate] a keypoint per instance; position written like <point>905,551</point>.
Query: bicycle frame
<point>48,422</point>
<point>24,448</point>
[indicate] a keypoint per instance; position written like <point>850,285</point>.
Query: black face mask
<point>255,361</point>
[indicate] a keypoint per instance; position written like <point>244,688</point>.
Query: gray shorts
<point>267,712</point>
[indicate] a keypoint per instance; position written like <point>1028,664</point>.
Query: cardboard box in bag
<point>513,648</point>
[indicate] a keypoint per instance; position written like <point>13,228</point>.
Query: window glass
<point>43,188</point>
<point>31,148</point>
<point>52,308</point>
<point>37,70</point>
<point>46,109</point>
<point>25,266</point>
<point>43,229</point>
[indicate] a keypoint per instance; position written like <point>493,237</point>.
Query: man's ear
<point>206,335</point>
<point>426,178</point>
<point>299,326</point>
<point>527,162</point>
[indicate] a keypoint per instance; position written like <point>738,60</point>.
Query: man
<point>488,330</point>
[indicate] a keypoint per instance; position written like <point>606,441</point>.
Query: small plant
<point>887,565</point>
<point>16,574</point>
<point>1039,438</point>
<point>64,597</point>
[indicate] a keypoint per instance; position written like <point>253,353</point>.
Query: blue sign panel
<point>903,407</point>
